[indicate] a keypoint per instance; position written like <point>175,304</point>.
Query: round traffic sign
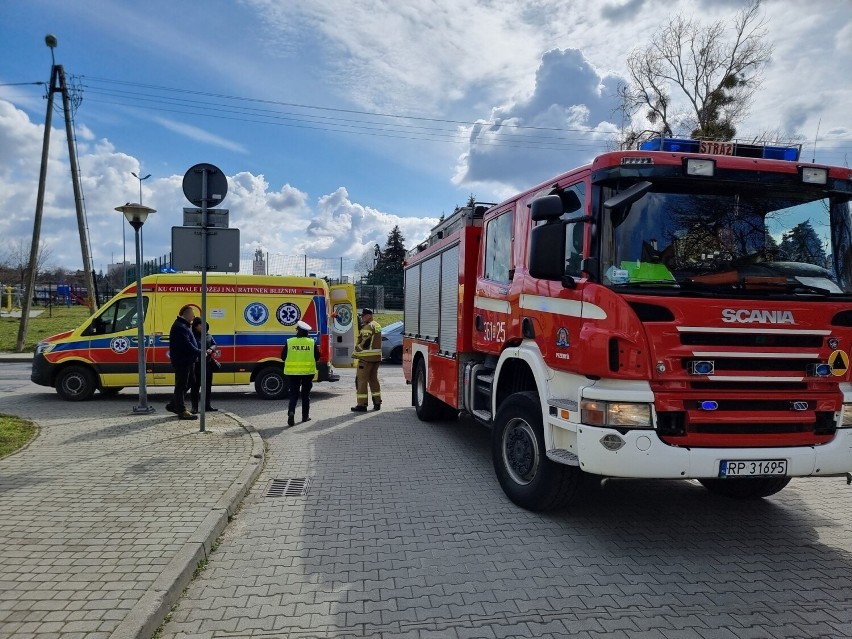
<point>217,185</point>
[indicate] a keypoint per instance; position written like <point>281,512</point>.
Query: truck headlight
<point>43,347</point>
<point>846,422</point>
<point>595,412</point>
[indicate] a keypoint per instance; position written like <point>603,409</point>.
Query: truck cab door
<point>344,327</point>
<point>492,311</point>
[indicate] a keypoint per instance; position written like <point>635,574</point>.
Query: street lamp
<point>136,214</point>
<point>141,179</point>
<point>141,239</point>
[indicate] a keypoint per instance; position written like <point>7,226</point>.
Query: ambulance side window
<point>119,316</point>
<point>498,248</point>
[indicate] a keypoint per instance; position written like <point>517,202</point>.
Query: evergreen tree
<point>389,261</point>
<point>801,244</point>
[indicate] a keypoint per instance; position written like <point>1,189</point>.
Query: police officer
<point>300,355</point>
<point>183,351</point>
<point>368,352</point>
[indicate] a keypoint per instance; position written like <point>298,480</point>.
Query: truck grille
<point>746,387</point>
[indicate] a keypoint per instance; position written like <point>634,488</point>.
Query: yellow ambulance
<point>251,317</point>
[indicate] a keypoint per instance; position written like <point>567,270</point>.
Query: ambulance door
<point>221,304</point>
<point>114,338</point>
<point>344,325</point>
<point>220,312</point>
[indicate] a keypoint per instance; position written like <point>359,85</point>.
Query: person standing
<point>300,355</point>
<point>368,352</point>
<point>183,351</point>
<point>212,364</point>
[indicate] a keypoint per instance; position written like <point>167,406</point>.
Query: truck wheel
<point>428,407</point>
<point>270,383</point>
<point>75,383</point>
<point>396,355</point>
<point>527,476</point>
<point>746,487</point>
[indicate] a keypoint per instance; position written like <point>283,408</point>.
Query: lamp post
<point>136,214</point>
<point>141,238</point>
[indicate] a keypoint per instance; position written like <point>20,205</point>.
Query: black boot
<point>194,410</point>
<point>291,419</point>
<point>305,417</point>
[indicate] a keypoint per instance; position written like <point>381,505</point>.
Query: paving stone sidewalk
<point>105,516</point>
<point>404,532</point>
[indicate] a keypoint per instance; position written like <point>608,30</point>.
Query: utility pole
<point>78,196</point>
<point>50,41</point>
<point>57,84</point>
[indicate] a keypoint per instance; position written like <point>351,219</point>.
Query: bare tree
<point>18,259</point>
<point>695,78</point>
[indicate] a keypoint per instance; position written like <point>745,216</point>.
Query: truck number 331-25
<point>495,331</point>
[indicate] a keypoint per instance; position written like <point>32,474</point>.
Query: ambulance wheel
<point>527,476</point>
<point>75,383</point>
<point>270,384</point>
<point>746,487</point>
<point>428,407</point>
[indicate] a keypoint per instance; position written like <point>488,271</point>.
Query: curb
<point>150,611</point>
<point>16,358</point>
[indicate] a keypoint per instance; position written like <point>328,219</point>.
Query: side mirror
<point>546,208</point>
<point>628,196</point>
<point>547,249</point>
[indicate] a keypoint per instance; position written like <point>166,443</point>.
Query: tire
<point>527,476</point>
<point>747,487</point>
<point>396,355</point>
<point>271,383</point>
<point>428,407</point>
<point>111,391</point>
<point>75,383</point>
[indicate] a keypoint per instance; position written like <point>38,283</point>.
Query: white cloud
<point>565,121</point>
<point>276,220</point>
<point>200,135</point>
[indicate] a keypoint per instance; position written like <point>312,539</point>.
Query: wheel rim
<point>271,384</point>
<point>420,387</point>
<point>521,456</point>
<point>74,384</point>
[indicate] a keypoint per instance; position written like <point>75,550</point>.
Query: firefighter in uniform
<point>300,355</point>
<point>368,352</point>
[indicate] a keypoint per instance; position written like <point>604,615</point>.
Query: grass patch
<point>15,433</point>
<point>387,318</point>
<point>50,322</point>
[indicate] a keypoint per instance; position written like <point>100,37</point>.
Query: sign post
<point>202,184</point>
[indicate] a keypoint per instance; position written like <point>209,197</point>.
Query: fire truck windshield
<point>729,238</point>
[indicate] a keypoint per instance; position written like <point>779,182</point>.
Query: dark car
<point>392,342</point>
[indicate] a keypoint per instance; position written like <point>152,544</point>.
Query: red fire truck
<point>680,311</point>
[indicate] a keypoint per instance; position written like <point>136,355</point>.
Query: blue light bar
<point>687,145</point>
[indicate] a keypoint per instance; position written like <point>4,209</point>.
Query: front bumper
<point>645,456</point>
<point>42,371</point>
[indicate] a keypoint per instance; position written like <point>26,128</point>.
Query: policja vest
<point>300,357</point>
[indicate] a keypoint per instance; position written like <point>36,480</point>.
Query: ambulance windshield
<point>729,238</point>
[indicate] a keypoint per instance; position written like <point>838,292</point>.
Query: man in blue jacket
<point>183,351</point>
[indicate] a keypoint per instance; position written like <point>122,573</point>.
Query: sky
<point>335,121</point>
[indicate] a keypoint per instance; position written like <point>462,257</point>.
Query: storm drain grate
<point>293,487</point>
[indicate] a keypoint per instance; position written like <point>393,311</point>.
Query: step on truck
<point>251,317</point>
<point>681,311</point>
